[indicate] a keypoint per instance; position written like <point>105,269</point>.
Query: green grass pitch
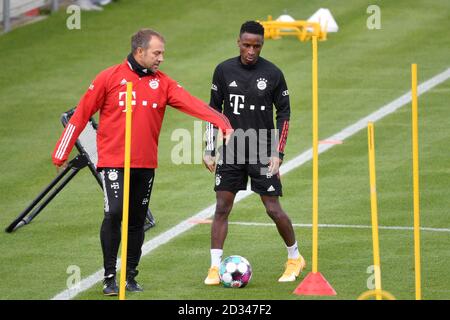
<point>45,68</point>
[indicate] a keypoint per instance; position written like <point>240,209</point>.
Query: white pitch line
<point>342,226</point>
<point>305,156</point>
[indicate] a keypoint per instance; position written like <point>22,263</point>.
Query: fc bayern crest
<point>218,179</point>
<point>261,83</point>
<point>154,84</point>
<point>112,175</point>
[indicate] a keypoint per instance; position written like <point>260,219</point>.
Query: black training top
<point>247,95</point>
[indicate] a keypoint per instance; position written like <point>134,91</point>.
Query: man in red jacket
<point>152,91</point>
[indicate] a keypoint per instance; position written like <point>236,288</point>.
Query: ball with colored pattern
<point>235,272</point>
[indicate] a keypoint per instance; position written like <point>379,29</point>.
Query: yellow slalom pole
<point>374,210</point>
<point>415,143</point>
<point>126,191</point>
<point>315,283</point>
<point>315,142</point>
<point>315,127</point>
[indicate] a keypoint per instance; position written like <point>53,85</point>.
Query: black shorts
<point>234,177</point>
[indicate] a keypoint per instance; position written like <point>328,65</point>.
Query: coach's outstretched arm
<point>181,99</point>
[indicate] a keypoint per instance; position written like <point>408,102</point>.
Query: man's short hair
<point>252,27</point>
<point>142,38</point>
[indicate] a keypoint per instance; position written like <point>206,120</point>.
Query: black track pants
<point>141,182</point>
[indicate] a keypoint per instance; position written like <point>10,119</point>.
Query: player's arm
<point>88,105</point>
<point>283,113</point>
<point>216,102</point>
<point>182,100</point>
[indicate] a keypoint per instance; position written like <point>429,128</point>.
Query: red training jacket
<point>151,94</point>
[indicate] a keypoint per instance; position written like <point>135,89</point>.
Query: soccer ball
<point>235,272</point>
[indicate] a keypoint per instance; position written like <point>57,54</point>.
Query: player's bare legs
<point>295,263</point>
<point>219,230</point>
<point>281,219</point>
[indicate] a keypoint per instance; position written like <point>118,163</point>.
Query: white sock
<point>216,257</point>
<point>293,252</point>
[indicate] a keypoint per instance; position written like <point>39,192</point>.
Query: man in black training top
<point>245,89</point>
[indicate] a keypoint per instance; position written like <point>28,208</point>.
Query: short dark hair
<point>142,38</point>
<point>252,27</point>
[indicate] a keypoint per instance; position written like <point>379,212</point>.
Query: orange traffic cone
<point>315,284</point>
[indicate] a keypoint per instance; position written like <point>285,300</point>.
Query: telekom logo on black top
<point>235,102</point>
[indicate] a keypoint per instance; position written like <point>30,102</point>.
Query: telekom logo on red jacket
<point>123,99</point>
